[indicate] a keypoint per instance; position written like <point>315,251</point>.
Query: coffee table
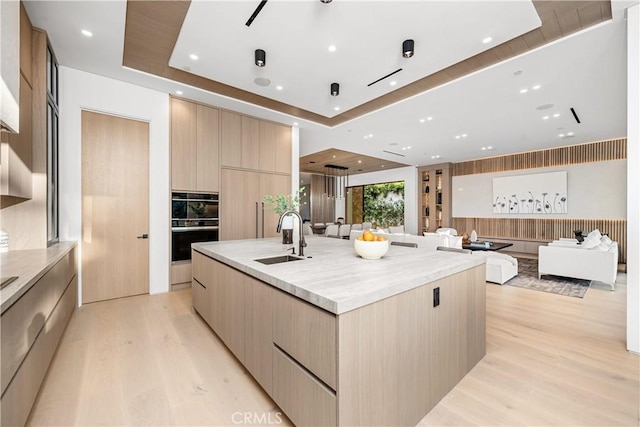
<point>480,246</point>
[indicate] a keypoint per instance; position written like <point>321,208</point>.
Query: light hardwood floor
<point>149,360</point>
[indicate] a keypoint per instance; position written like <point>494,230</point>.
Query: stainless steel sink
<point>278,259</point>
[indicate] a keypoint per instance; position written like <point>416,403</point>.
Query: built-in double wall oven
<point>194,219</point>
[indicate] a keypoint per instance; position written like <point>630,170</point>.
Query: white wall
<point>85,91</point>
<point>594,191</point>
<point>410,177</point>
<point>633,179</point>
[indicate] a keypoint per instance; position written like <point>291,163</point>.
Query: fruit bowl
<point>371,250</point>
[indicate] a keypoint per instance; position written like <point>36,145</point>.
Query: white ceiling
<point>368,38</point>
<point>586,71</point>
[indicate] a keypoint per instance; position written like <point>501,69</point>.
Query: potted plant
<point>281,203</point>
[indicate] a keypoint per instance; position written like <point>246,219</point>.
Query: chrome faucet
<point>301,243</point>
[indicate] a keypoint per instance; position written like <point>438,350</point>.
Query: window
<point>52,148</point>
<point>380,204</point>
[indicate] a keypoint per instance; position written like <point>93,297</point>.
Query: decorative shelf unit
<point>435,197</point>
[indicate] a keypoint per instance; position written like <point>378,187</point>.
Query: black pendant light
<point>335,89</point>
<point>407,48</point>
<point>325,1</point>
<point>261,58</point>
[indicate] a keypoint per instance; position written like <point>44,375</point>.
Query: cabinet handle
<point>256,220</point>
<point>143,236</point>
<point>262,220</point>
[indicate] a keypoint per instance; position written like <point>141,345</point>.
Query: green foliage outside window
<point>380,209</point>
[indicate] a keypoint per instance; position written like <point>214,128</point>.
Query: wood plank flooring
<point>149,360</point>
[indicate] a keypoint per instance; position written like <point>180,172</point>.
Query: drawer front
<point>305,400</point>
<point>200,299</point>
<point>19,397</point>
<point>308,334</point>
<point>198,266</point>
<point>22,322</point>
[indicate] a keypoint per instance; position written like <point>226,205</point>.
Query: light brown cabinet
<point>195,138</point>
<point>31,330</point>
<point>253,144</point>
<point>242,211</point>
<point>16,151</point>
<point>434,195</point>
<point>386,363</point>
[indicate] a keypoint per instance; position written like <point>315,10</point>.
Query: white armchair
<point>568,259</point>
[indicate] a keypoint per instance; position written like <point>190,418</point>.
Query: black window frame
<point>53,209</point>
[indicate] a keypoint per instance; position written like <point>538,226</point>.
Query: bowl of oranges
<point>370,246</point>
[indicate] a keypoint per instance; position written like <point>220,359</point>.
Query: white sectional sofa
<point>594,259</point>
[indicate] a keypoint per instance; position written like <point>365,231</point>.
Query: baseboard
<point>178,286</point>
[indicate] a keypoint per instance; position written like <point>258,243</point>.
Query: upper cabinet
<point>16,152</point>
<point>194,147</point>
<point>249,143</point>
<point>10,65</point>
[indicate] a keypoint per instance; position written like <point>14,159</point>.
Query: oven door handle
<point>195,228</point>
<point>262,220</point>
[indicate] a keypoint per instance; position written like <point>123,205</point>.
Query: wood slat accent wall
<point>545,229</point>
<point>613,149</point>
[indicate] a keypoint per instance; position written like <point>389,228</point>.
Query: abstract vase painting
<point>542,193</point>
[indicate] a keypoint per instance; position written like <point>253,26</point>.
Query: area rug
<point>528,278</point>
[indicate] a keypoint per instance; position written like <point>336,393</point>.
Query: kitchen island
<point>336,339</point>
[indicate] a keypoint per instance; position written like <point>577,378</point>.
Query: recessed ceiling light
<point>334,156</point>
<point>545,118</point>
<point>359,161</point>
<point>429,118</point>
<point>404,148</point>
<point>437,156</point>
<point>464,135</point>
<point>409,147</point>
<point>570,133</point>
<point>536,87</point>
<point>486,40</point>
<point>457,136</point>
<point>336,108</point>
<point>561,135</point>
<point>295,123</point>
<point>483,148</point>
<point>393,83</point>
<point>279,87</point>
<point>178,92</point>
<point>193,56</point>
<point>381,166</point>
<point>370,135</point>
<point>87,33</point>
<point>524,90</point>
<point>422,120</point>
<point>332,48</point>
<point>556,115</point>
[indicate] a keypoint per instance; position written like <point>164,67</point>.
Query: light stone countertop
<point>335,278</point>
<point>29,265</point>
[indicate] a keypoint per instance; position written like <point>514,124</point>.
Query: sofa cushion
<point>590,242</point>
<point>595,233</point>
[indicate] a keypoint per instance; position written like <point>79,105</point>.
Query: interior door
<point>115,207</point>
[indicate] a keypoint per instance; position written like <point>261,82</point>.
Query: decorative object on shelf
<point>474,236</point>
<point>280,204</point>
<point>542,193</point>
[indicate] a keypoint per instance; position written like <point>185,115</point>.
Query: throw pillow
<point>595,233</point>
<point>606,240</point>
<point>590,243</point>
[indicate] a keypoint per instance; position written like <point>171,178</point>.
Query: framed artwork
<point>540,194</point>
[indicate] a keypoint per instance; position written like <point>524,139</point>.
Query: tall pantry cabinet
<point>255,160</point>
